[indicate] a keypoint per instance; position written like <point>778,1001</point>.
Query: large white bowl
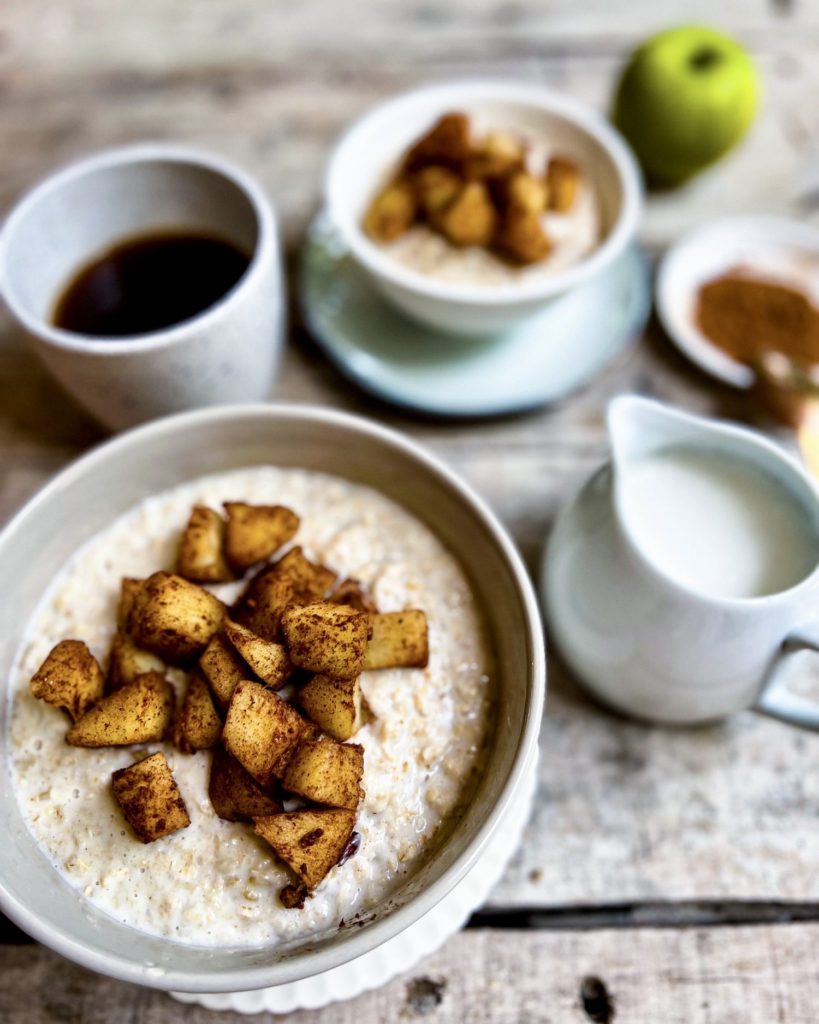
<point>369,151</point>
<point>86,496</point>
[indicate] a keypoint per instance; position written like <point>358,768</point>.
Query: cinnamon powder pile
<point>744,315</point>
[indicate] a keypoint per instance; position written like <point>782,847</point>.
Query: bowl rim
<point>583,116</point>
<point>359,941</point>
<point>135,154</point>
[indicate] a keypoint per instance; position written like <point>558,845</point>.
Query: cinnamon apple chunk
<point>223,668</point>
<point>150,799</point>
<point>267,659</point>
<point>328,638</point>
<point>256,532</point>
<point>333,704</point>
<point>261,731</point>
<point>234,794</point>
<point>399,640</point>
<point>139,712</point>
<point>200,557</point>
<point>69,678</point>
<point>327,773</point>
<point>197,726</point>
<point>126,661</point>
<point>173,617</point>
<point>310,842</point>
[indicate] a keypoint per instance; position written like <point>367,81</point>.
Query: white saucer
<point>776,248</point>
<point>403,952</point>
<point>537,362</point>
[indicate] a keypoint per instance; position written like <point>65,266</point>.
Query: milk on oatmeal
<point>215,883</point>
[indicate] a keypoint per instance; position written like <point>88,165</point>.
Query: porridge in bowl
<point>475,203</point>
<point>337,707</point>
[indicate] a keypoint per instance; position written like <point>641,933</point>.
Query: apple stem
<point>704,58</point>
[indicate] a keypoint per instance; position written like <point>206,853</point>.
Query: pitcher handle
<point>778,701</point>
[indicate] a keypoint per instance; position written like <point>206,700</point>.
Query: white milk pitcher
<point>685,568</point>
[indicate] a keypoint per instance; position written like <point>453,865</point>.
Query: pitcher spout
<point>640,426</point>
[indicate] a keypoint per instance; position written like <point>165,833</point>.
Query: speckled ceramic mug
<point>227,353</point>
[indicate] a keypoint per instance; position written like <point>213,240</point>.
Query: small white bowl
<point>774,248</point>
<point>370,149</point>
<point>89,494</point>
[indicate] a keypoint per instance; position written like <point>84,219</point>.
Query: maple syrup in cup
<point>148,280</point>
<point>684,568</point>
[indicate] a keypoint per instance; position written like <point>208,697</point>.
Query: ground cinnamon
<point>744,315</point>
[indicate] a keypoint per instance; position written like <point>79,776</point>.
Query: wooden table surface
<point>681,867</point>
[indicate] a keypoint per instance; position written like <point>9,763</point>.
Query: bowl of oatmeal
<point>190,897</point>
<point>471,205</point>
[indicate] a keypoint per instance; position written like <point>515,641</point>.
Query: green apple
<point>685,97</point>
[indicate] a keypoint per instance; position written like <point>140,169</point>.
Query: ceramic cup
<point>227,353</point>
<point>646,644</point>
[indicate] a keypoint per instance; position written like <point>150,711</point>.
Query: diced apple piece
<point>327,773</point>
<point>328,638</point>
<point>140,712</point>
<point>399,640</point>
<point>126,661</point>
<point>293,580</point>
<point>223,668</point>
<point>198,726</point>
<point>267,659</point>
<point>563,183</point>
<point>310,842</point>
<point>333,704</point>
<point>261,731</point>
<point>69,678</point>
<point>255,532</point>
<point>234,793</point>
<point>446,143</point>
<point>173,617</point>
<point>150,799</point>
<point>200,555</point>
<point>391,212</point>
<point>354,594</point>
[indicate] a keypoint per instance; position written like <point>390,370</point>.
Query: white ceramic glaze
<point>371,147</point>
<point>90,493</point>
<point>775,248</point>
<point>645,644</point>
<point>398,955</point>
<point>540,360</point>
<point>228,353</point>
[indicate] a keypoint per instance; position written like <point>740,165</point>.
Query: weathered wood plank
<point>757,975</point>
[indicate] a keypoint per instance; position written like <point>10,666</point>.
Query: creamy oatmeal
<point>215,882</point>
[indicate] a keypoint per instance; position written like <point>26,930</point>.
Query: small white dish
<point>781,250</point>
<point>398,955</point>
<point>368,152</point>
<point>537,362</point>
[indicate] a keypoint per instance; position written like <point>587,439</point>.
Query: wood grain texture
<point>625,812</point>
<point>757,975</point>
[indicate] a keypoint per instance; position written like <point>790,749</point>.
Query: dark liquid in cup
<point>148,283</point>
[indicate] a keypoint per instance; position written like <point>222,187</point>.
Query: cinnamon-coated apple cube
<point>126,661</point>
<point>471,218</point>
<point>563,183</point>
<point>150,799</point>
<point>261,731</point>
<point>310,842</point>
<point>327,773</point>
<point>267,659</point>
<point>173,617</point>
<point>129,587</point>
<point>333,704</point>
<point>521,237</point>
<point>435,187</point>
<point>200,557</point>
<point>139,712</point>
<point>293,580</point>
<point>255,532</point>
<point>69,678</point>
<point>223,668</point>
<point>234,794</point>
<point>399,640</point>
<point>499,155</point>
<point>447,143</point>
<point>328,638</point>
<point>197,726</point>
<point>355,594</point>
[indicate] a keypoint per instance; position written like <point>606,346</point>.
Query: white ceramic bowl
<point>772,247</point>
<point>369,150</point>
<point>86,496</point>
